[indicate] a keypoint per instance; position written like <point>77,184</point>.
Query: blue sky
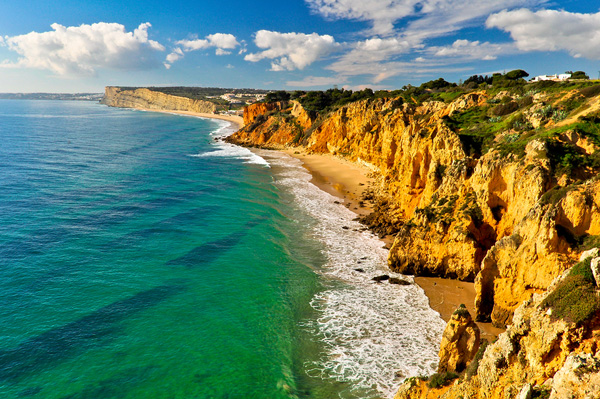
<point>82,46</point>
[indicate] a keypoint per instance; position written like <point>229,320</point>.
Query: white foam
<point>227,150</point>
<point>376,334</point>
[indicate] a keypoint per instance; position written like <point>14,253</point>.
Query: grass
<point>575,298</point>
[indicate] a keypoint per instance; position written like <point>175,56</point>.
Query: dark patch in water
<point>29,392</point>
<point>66,341</point>
<point>116,386</point>
<point>208,252</point>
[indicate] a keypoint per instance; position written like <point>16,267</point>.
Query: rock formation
<point>543,350</point>
<point>460,342</point>
<point>154,100</point>
<point>512,214</point>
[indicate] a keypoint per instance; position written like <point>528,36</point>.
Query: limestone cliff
<point>154,100</point>
<point>550,349</point>
<point>459,211</point>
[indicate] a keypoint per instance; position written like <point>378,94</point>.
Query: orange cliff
<point>509,221</point>
<point>484,218</point>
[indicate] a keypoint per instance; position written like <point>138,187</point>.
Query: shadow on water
<point>116,386</point>
<point>97,328</point>
<point>61,343</point>
<point>208,252</point>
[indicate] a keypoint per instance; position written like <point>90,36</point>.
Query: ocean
<point>142,257</point>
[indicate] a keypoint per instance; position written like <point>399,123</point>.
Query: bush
<point>474,365</point>
<point>505,109</point>
<point>575,298</point>
<point>440,379</point>
<point>590,91</point>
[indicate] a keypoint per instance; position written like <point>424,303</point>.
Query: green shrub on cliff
<point>440,379</point>
<point>575,298</point>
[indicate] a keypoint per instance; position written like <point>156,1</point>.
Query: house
<point>556,77</point>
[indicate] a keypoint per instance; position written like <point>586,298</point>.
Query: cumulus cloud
<point>551,30</point>
<point>290,51</point>
<point>82,50</point>
<point>221,42</point>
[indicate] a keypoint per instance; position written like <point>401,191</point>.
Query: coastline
<point>347,181</point>
<point>234,119</point>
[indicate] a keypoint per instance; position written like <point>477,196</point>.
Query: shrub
<point>575,298</point>
<point>440,379</point>
<point>590,91</point>
<point>505,109</point>
<point>474,365</point>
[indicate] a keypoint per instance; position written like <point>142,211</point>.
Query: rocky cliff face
<point>484,218</point>
<point>154,100</point>
<point>512,218</point>
<point>550,349</point>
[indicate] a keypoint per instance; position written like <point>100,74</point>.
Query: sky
<point>72,46</point>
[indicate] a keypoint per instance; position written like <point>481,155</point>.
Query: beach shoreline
<point>238,121</point>
<point>348,181</point>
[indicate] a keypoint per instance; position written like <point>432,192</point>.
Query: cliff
<point>550,350</point>
<point>511,217</point>
<point>153,100</point>
<point>499,187</point>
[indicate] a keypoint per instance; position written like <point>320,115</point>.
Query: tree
<point>579,75</point>
<point>275,96</point>
<point>516,74</point>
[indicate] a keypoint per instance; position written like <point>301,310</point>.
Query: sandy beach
<point>237,120</point>
<point>348,181</point>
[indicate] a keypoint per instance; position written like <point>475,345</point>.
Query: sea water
<point>142,257</point>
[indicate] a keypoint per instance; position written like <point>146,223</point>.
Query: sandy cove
<point>347,181</point>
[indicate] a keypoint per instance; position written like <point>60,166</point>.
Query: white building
<point>556,77</point>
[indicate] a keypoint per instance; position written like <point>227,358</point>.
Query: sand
<point>237,120</point>
<point>347,181</point>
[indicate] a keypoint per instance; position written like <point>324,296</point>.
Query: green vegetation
<point>461,311</point>
<point>575,298</point>
<point>440,379</point>
<point>474,365</point>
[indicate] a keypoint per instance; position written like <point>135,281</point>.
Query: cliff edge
<point>153,100</point>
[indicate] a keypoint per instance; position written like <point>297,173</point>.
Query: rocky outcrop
<point>154,100</point>
<point>460,342</point>
<point>543,350</point>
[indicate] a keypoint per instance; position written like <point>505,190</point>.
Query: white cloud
<point>430,17</point>
<point>290,51</point>
<point>551,30</point>
<point>313,81</point>
<point>467,50</point>
<point>81,50</point>
<point>221,42</point>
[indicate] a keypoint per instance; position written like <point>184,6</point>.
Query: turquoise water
<point>140,258</point>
